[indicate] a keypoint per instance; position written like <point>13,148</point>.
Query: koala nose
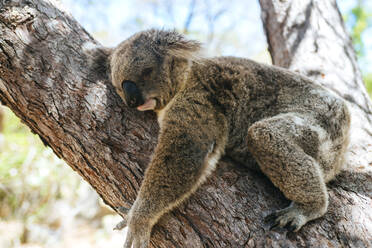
<point>132,95</point>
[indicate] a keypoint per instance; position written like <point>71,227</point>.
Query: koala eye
<point>147,71</point>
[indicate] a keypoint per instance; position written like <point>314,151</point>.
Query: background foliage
<point>359,21</point>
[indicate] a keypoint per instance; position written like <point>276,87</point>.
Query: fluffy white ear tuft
<point>175,44</point>
<point>187,49</point>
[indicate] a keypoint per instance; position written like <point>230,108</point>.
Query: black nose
<point>132,95</point>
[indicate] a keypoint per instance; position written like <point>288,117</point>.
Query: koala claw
<point>291,227</point>
<point>121,225</point>
<point>270,217</point>
<point>288,218</point>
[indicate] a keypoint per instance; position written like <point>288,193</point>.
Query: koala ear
<point>187,49</point>
<point>99,61</point>
<point>175,44</point>
<point>184,48</point>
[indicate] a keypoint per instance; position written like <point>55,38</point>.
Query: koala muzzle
<point>132,95</point>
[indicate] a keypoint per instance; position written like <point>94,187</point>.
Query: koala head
<point>145,67</point>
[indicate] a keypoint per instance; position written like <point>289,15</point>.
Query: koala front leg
<point>182,160</point>
<point>276,145</point>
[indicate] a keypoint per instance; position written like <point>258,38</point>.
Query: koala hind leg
<point>279,144</point>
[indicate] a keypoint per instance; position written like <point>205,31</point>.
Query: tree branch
<point>46,81</point>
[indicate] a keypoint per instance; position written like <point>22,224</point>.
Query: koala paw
<point>122,223</point>
<point>290,218</point>
<point>138,235</point>
<point>139,229</point>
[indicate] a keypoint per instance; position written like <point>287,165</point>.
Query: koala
<point>295,130</point>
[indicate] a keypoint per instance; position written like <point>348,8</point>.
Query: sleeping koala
<point>296,130</point>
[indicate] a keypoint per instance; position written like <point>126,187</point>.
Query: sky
<point>111,21</point>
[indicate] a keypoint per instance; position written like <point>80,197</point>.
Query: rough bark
<point>46,81</point>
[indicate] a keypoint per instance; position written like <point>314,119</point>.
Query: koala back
<point>245,92</point>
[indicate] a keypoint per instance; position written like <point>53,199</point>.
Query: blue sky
<point>237,30</point>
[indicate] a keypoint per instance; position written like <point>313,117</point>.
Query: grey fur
<point>295,129</point>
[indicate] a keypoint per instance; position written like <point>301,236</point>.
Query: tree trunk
<point>46,81</point>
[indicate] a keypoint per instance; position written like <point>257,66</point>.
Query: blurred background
<point>43,202</point>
